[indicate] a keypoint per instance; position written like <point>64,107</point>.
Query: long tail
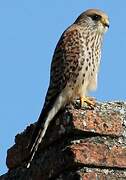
<point>42,125</point>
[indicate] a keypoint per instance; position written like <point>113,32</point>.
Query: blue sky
<point>29,31</point>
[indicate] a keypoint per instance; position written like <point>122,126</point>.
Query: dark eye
<point>96,17</point>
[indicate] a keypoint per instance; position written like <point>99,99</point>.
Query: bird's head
<point>94,19</point>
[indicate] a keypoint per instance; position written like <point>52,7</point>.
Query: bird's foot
<point>88,100</point>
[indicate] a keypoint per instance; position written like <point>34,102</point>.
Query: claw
<point>90,101</point>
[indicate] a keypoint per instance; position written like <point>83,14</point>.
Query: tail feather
<point>44,120</point>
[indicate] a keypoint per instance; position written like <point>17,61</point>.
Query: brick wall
<point>86,144</point>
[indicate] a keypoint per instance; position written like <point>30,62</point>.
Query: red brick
<point>76,137</point>
<point>91,152</point>
<point>93,174</point>
<point>107,123</point>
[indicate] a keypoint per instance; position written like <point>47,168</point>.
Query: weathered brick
<point>107,123</point>
<point>92,174</point>
<point>88,138</point>
<point>99,152</point>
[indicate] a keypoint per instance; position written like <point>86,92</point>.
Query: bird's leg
<point>87,100</point>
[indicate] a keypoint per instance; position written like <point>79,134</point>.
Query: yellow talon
<point>87,100</point>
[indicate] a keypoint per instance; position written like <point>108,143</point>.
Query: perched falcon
<point>74,69</point>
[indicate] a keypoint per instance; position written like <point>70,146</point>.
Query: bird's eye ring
<point>96,17</point>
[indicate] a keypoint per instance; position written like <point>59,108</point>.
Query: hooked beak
<point>105,22</point>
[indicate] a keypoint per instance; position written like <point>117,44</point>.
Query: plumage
<point>74,68</point>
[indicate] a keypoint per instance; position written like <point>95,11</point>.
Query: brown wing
<point>65,57</point>
<point>64,63</point>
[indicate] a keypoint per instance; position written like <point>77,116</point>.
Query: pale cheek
<point>102,29</point>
